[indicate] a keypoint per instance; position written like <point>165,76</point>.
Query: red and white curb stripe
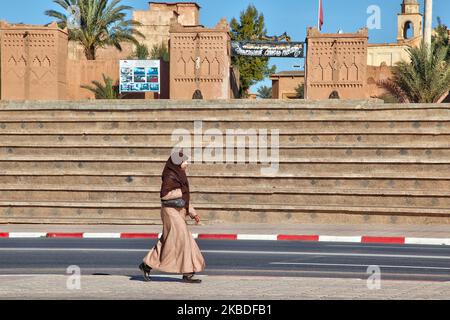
<point>214,236</point>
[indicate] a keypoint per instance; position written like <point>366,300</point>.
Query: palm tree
<point>141,52</point>
<point>102,23</point>
<point>423,80</point>
<point>441,37</point>
<point>160,52</point>
<point>300,91</point>
<point>265,92</point>
<point>103,91</point>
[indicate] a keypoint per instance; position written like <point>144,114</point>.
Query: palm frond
<point>102,23</point>
<point>105,90</point>
<point>425,79</point>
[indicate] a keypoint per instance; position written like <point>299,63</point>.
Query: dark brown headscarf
<point>173,177</point>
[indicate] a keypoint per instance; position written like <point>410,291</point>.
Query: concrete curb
<point>216,236</point>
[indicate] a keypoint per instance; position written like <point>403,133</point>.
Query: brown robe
<point>176,251</point>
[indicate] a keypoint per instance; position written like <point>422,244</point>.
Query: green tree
<point>300,91</point>
<point>441,37</point>
<point>105,90</point>
<point>423,80</point>
<point>102,23</point>
<point>160,52</point>
<point>265,92</point>
<point>252,69</point>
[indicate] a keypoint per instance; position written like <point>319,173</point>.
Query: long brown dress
<point>176,251</point>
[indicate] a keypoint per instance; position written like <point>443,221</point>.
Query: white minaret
<point>428,22</point>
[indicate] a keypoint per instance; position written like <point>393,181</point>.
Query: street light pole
<point>428,22</point>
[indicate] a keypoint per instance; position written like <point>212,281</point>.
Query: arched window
<point>408,30</point>
<point>334,95</point>
<point>197,95</point>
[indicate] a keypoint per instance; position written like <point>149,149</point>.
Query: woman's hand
<point>193,214</point>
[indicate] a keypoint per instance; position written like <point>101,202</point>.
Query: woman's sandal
<point>146,270</point>
<point>188,278</point>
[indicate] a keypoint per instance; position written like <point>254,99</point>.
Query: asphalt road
<point>262,258</point>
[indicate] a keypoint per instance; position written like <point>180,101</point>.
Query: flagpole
<point>318,15</point>
<point>428,22</point>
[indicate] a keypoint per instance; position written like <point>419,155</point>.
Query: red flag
<point>320,18</point>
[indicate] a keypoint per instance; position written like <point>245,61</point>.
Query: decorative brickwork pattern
<point>200,60</point>
<point>33,62</point>
<point>336,62</point>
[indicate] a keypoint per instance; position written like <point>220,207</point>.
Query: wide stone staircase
<point>339,162</point>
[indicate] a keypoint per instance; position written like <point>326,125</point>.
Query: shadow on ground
<point>156,279</point>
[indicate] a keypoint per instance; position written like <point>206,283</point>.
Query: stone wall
<point>285,84</point>
<point>340,162</point>
<point>388,54</point>
<point>83,72</point>
<point>76,52</point>
<point>157,20</point>
<point>376,75</point>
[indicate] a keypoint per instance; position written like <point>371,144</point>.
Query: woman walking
<point>176,251</point>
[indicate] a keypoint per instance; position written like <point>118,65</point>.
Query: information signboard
<point>140,76</point>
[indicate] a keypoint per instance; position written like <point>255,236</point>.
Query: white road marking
<point>339,239</point>
<point>88,235</point>
<point>354,265</point>
<point>429,241</point>
<point>257,237</point>
<point>27,234</point>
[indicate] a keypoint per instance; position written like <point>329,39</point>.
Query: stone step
<point>298,198</point>
<point>229,103</point>
<point>292,141</point>
<point>210,104</point>
<point>286,127</point>
<point>224,189</point>
<point>305,159</point>
<point>68,182</point>
<point>209,212</point>
<point>399,155</point>
<point>8,208</point>
<point>330,170</point>
<point>226,114</point>
<point>66,213</point>
<point>180,104</point>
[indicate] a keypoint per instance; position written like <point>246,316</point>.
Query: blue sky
<point>292,16</point>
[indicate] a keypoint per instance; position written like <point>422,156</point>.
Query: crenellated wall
<point>200,60</point>
<point>33,62</point>
<point>336,62</point>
